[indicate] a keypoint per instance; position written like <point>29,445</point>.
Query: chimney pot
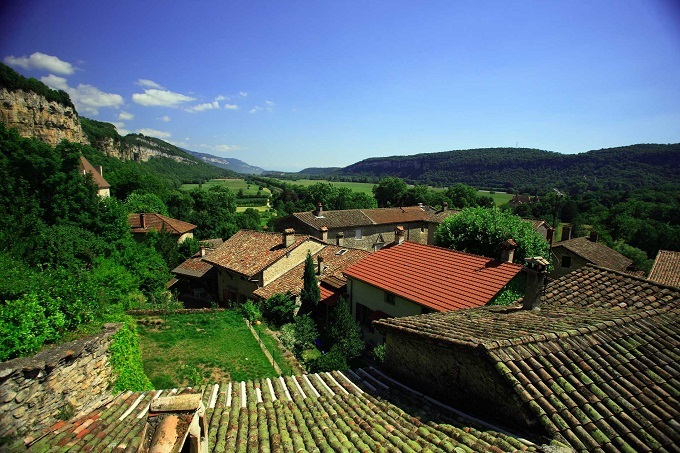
<point>288,237</point>
<point>100,170</point>
<point>142,221</point>
<point>445,206</point>
<point>399,235</point>
<point>202,251</point>
<point>319,210</point>
<point>340,238</point>
<point>566,232</point>
<point>593,236</point>
<point>508,250</point>
<point>324,234</point>
<point>319,260</point>
<point>536,268</point>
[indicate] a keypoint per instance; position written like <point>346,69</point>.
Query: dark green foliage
<point>379,353</point>
<point>310,294</point>
<point>482,231</point>
<point>331,361</point>
<point>248,220</point>
<point>98,131</point>
<point>251,311</point>
<point>345,332</point>
<point>145,202</point>
<point>14,81</point>
<point>390,192</point>
<point>279,309</point>
<point>305,333</point>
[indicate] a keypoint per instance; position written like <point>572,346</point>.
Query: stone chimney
<point>399,235</point>
<point>566,232</point>
<point>324,234</point>
<point>142,221</point>
<point>288,237</point>
<point>100,170</point>
<point>549,235</point>
<point>445,206</point>
<point>202,251</point>
<point>593,236</point>
<point>340,239</point>
<point>319,210</point>
<point>535,268</point>
<point>319,267</point>
<point>508,250</point>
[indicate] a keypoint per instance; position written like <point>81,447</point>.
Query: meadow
<point>233,184</point>
<point>201,348</point>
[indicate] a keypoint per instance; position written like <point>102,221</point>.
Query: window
<point>358,233</point>
<point>566,261</point>
<point>389,298</point>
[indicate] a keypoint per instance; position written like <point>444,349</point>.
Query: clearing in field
<point>200,348</point>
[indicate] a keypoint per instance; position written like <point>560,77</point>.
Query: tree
<point>344,331</point>
<point>145,202</point>
<point>305,333</point>
<point>482,231</point>
<point>462,196</point>
<point>279,309</point>
<point>390,192</point>
<point>311,294</point>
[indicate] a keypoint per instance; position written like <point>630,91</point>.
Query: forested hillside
<point>530,170</point>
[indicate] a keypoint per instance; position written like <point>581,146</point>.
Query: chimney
<point>549,235</point>
<point>445,206</point>
<point>202,251</point>
<point>324,234</point>
<point>340,239</point>
<point>399,235</point>
<point>175,423</point>
<point>566,232</point>
<point>288,237</point>
<point>536,268</point>
<point>319,261</point>
<point>508,250</point>
<point>593,236</point>
<point>319,210</point>
<point>142,221</point>
<point>100,170</point>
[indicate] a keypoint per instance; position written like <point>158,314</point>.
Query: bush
<point>279,309</point>
<point>287,336</point>
<point>126,360</point>
<point>305,333</point>
<point>250,311</point>
<point>379,353</point>
<point>333,360</point>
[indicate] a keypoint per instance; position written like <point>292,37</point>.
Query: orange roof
<point>666,268</point>
<point>158,222</point>
<point>435,277</point>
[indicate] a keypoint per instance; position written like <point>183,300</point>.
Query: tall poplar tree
<point>311,294</point>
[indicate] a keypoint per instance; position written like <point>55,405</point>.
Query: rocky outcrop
<point>36,117</point>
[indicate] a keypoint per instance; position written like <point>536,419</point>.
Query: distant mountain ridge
<point>228,163</point>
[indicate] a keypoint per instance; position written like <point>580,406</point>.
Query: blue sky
<point>294,84</point>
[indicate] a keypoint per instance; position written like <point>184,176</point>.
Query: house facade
<point>97,173</point>
<point>408,278</point>
<point>145,222</point>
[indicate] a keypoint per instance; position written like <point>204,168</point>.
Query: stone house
<point>575,253</point>
<point>143,223</point>
<point>408,279</point>
<point>518,200</point>
<point>594,368</point>
<point>97,173</point>
<point>256,265</point>
<point>367,229</point>
<point>196,279</point>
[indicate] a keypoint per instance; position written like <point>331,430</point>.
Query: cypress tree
<point>311,294</point>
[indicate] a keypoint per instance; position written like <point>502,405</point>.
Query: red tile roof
<point>158,222</point>
<point>397,215</point>
<point>193,267</point>
<point>666,268</point>
<point>435,277</point>
<point>334,264</point>
<point>87,167</point>
<point>249,252</point>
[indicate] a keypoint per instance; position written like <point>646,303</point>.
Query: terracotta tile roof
<point>349,218</point>
<point>193,267</point>
<point>666,268</point>
<point>593,376</point>
<point>212,243</point>
<point>249,252</point>
<point>87,167</point>
<point>334,263</point>
<point>435,277</point>
<point>361,410</point>
<point>596,253</point>
<point>157,222</point>
<point>440,215</point>
<point>396,215</point>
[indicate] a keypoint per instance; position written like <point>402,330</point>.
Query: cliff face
<point>33,116</point>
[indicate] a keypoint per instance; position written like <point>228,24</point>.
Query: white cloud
<point>269,103</point>
<point>86,98</point>
<point>221,98</point>
<point>41,61</point>
<point>126,116</point>
<point>255,109</point>
<point>202,107</point>
<point>231,106</point>
<point>243,94</point>
<point>149,84</point>
<point>220,148</point>
<point>120,127</point>
<point>165,119</point>
<point>154,97</point>
<point>154,133</point>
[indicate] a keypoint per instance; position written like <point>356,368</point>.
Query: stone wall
<point>66,380</point>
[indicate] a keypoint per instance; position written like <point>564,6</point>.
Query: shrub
<point>126,360</point>
<point>305,333</point>
<point>287,336</point>
<point>279,309</point>
<point>250,311</point>
<point>379,353</point>
<point>333,360</point>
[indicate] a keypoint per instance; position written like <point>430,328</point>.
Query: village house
<point>195,279</point>
<point>519,200</point>
<point>571,254</point>
<point>408,278</point>
<point>143,223</point>
<point>256,265</point>
<point>666,268</point>
<point>596,367</point>
<point>85,168</point>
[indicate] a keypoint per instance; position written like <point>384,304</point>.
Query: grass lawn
<point>196,349</point>
<point>233,184</point>
<point>498,197</point>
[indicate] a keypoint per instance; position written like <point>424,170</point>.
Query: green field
<point>196,349</point>
<point>498,197</point>
<point>354,186</point>
<point>233,184</point>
